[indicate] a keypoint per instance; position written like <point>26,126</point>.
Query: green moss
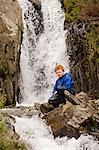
<point>7,142</point>
<point>1,104</point>
<point>19,146</point>
<point>81,9</point>
<point>3,145</point>
<point>97,60</point>
<point>1,101</point>
<point>93,42</point>
<point>74,14</point>
<point>3,69</point>
<point>7,145</point>
<point>72,10</point>
<point>2,127</point>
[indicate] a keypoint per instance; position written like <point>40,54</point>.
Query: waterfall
<point>43,47</point>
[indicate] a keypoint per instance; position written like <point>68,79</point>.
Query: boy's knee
<point>50,101</point>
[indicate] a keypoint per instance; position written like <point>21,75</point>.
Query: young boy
<point>64,82</point>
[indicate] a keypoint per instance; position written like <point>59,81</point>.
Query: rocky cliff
<point>10,39</point>
<point>82,23</point>
<point>84,56</point>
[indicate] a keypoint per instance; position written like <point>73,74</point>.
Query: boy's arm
<point>55,88</point>
<point>67,83</point>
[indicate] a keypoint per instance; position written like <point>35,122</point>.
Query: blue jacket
<point>65,82</point>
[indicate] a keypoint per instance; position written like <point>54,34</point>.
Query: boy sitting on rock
<point>64,82</point>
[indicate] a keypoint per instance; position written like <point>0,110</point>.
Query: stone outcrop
<point>82,23</point>
<point>9,139</point>
<point>37,2</point>
<point>20,111</point>
<point>10,40</point>
<point>74,120</point>
<point>83,49</point>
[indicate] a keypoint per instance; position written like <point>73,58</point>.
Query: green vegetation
<point>1,100</point>
<point>75,9</point>
<point>8,145</point>
<point>6,81</point>
<point>93,42</point>
<point>71,9</point>
<point>7,141</point>
<point>97,60</point>
<point>87,10</point>
<point>2,127</point>
<point>1,104</point>
<point>3,69</point>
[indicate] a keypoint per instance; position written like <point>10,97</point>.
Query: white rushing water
<point>40,53</point>
<point>38,135</point>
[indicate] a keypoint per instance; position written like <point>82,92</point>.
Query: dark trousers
<point>57,99</point>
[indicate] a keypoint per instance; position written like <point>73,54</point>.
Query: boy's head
<point>59,70</point>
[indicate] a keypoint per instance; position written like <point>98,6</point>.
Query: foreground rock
<point>74,120</point>
<point>20,111</point>
<point>9,139</point>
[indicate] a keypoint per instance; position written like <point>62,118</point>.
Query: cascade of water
<point>40,53</point>
<point>39,136</point>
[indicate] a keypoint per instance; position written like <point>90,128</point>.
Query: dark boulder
<point>74,120</point>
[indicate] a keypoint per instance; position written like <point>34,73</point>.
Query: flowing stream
<point>43,47</point>
<point>39,136</point>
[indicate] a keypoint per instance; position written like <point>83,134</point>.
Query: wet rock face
<point>10,40</point>
<point>83,63</point>
<point>37,2</point>
<point>39,27</point>
<point>75,119</point>
<point>9,139</point>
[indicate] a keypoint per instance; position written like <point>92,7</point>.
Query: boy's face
<point>59,73</point>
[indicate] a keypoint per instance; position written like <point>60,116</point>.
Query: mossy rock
<point>8,136</point>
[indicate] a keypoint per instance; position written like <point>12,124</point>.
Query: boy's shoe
<point>46,107</point>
